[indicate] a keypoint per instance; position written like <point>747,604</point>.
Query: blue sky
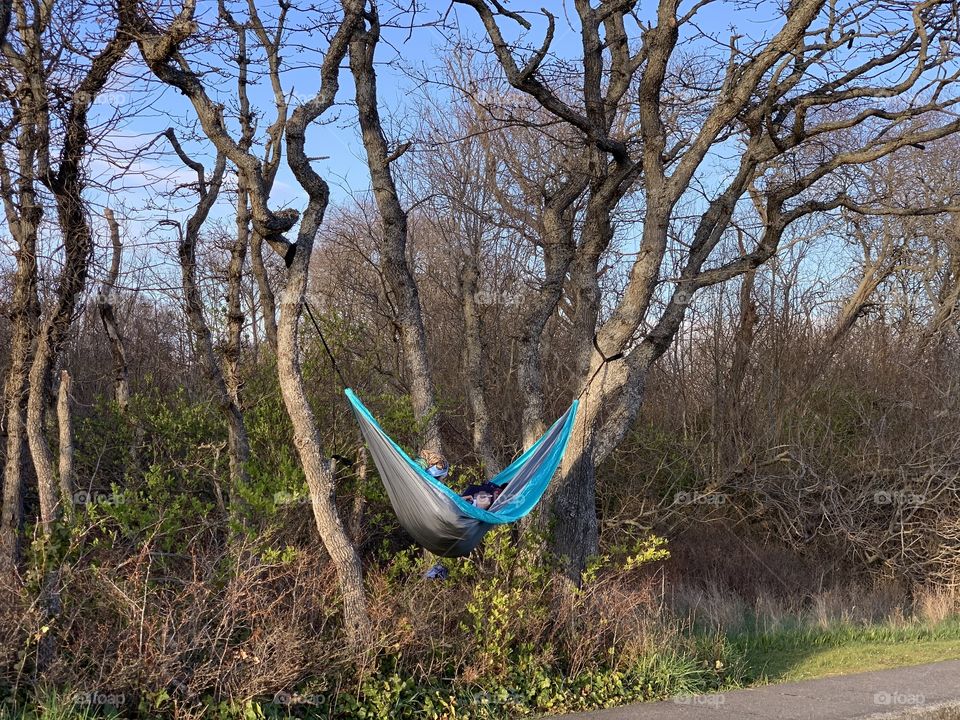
<point>403,59</point>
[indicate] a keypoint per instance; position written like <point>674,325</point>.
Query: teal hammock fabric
<point>434,514</point>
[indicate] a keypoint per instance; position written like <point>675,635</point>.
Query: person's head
<point>436,464</point>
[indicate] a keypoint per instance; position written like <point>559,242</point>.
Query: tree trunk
<point>268,307</point>
<point>320,481</point>
<point>359,495</point>
<point>239,445</point>
<point>66,185</point>
<point>24,214</point>
<point>65,430</point>
<point>558,252</point>
<point>238,255</point>
<point>345,559</point>
<point>473,366</point>
<point>732,421</point>
<point>78,243</point>
<point>393,218</point>
<point>24,317</point>
<point>574,528</point>
<point>105,307</point>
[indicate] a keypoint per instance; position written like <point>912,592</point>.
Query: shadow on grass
<point>799,653</point>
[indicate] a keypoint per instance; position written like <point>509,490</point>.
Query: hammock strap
<point>333,360</point>
<point>601,366</point>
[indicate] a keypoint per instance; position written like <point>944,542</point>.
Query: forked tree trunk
<point>239,445</point>
<point>559,249</point>
<point>344,556</point>
<point>66,185</point>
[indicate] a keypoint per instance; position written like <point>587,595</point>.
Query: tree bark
<point>235,317</point>
<point>268,305</point>
<point>160,49</point>
<point>105,299</point>
<point>23,222</point>
<point>559,250</point>
<point>473,366</point>
<point>238,442</point>
<point>393,219</point>
<point>65,432</point>
<point>320,481</point>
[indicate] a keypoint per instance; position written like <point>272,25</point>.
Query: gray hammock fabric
<point>434,514</point>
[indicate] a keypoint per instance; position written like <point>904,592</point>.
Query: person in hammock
<point>482,495</point>
<point>434,463</point>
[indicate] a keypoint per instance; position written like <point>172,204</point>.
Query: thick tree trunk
<point>320,480</point>
<point>108,318</point>
<point>393,218</point>
<point>473,366</point>
<point>574,528</point>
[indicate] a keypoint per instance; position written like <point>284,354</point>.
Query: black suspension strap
<point>612,358</point>
<point>333,360</point>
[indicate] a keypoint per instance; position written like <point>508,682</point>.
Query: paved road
<point>837,698</point>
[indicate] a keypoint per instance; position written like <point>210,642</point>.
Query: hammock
<point>436,516</point>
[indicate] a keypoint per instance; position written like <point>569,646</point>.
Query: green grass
<point>805,653</point>
<point>800,664</point>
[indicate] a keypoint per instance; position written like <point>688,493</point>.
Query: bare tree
<point>270,43</point>
<point>160,49</point>
<point>779,97</point>
<point>208,190</point>
<point>320,479</point>
<point>66,183</point>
